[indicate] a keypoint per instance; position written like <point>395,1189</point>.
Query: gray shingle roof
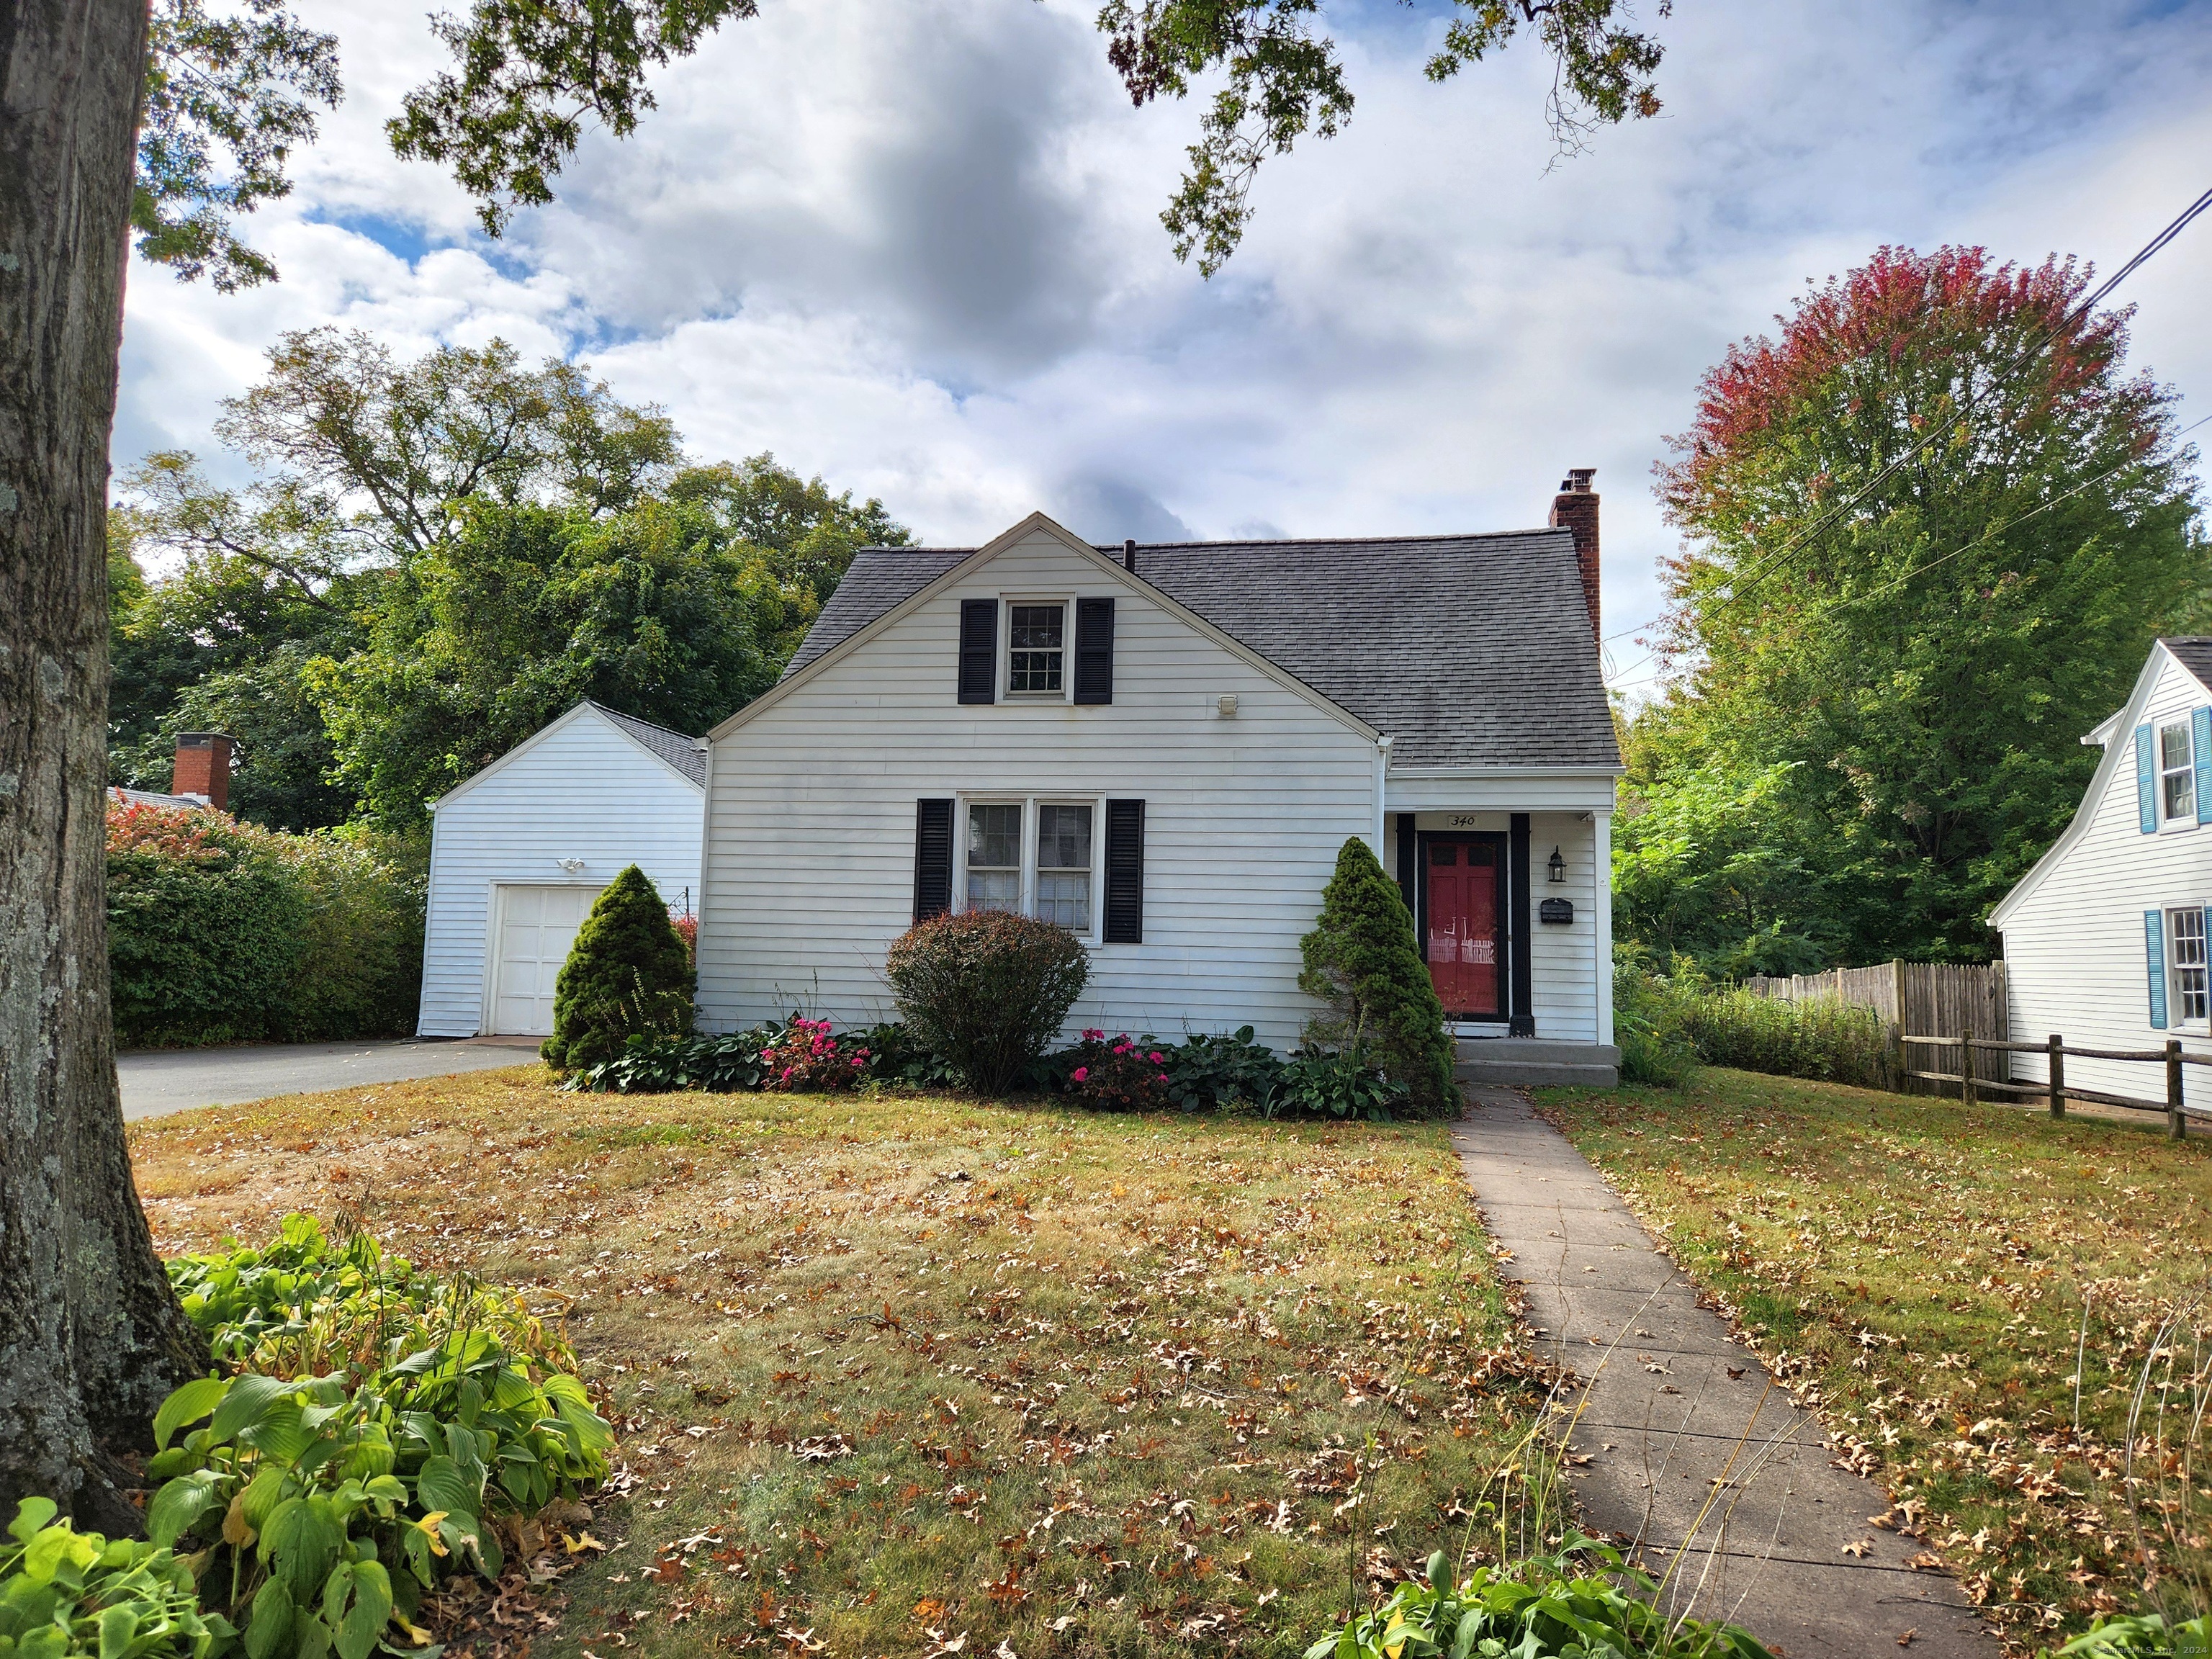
<point>1467,650</point>
<point>2194,652</point>
<point>687,755</point>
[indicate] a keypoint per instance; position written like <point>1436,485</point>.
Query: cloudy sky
<point>914,245</point>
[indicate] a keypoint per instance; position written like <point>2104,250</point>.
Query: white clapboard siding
<point>810,820</point>
<point>581,789</point>
<point>2075,956</point>
<point>810,870</point>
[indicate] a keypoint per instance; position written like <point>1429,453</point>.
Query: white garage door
<point>537,925</point>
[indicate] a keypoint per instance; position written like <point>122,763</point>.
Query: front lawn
<point>1920,1271</point>
<point>900,1374</point>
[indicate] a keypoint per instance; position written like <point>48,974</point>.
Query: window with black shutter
<point>1094,651</point>
<point>979,650</point>
<point>932,859</point>
<point>1125,872</point>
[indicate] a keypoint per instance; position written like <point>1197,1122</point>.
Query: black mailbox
<point>1556,911</point>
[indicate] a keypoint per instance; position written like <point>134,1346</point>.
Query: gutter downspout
<point>1382,825</point>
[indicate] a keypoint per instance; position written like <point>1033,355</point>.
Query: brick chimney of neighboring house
<point>203,768</point>
<point>1575,508</point>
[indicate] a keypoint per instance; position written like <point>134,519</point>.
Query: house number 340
<point>1464,820</point>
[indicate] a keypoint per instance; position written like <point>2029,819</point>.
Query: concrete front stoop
<point>1537,1063</point>
<point>1692,1451</point>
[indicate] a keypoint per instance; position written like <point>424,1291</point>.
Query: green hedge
<point>218,932</point>
<point>1668,1024</point>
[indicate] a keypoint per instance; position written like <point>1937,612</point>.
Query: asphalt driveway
<point>158,1080</point>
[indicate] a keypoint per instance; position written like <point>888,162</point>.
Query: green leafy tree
<point>524,611</point>
<point>806,534</point>
<point>627,976</point>
<point>1918,653</point>
<point>338,420</point>
<point>1363,960</point>
<point>229,95</point>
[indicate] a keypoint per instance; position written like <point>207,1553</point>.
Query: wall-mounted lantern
<point>1557,866</point>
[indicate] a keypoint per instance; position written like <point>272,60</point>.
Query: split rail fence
<point>1914,999</point>
<point>1962,1014</point>
<point>2056,1089</point>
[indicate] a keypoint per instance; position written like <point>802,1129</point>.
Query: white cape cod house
<point>2105,938</point>
<point>1164,747</point>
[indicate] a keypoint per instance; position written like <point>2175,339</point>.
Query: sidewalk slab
<point>1694,1452</point>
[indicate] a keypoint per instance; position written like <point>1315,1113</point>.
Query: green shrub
<point>628,975</point>
<point>1651,1024</point>
<point>1363,960</point>
<point>1821,1038</point>
<point>220,931</point>
<point>1580,1602</point>
<point>986,991</point>
<point>387,1425</point>
<point>206,929</point>
<point>1218,1073</point>
<point>1336,1083</point>
<point>64,1592</point>
<point>360,970</point>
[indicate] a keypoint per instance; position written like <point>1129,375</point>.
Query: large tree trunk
<point>90,1336</point>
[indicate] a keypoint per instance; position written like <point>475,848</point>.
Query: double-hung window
<point>2177,774</point>
<point>2185,965</point>
<point>1036,650</point>
<point>1034,857</point>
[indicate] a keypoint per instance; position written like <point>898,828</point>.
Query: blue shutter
<point>2200,750</point>
<point>2146,782</point>
<point>2155,953</point>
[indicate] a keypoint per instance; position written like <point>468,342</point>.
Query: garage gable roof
<point>685,757</point>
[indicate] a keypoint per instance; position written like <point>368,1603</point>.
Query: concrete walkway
<point>156,1081</point>
<point>1693,1449</point>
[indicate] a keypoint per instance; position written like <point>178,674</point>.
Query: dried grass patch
<point>902,1374</point>
<point>1919,1274</point>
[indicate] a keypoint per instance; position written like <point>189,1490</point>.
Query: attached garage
<point>518,852</point>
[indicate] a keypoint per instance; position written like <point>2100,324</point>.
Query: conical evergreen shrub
<point>627,974</point>
<point>1363,960</point>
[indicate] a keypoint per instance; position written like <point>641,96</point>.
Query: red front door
<point>1463,912</point>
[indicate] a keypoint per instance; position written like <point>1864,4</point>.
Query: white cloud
<point>917,250</point>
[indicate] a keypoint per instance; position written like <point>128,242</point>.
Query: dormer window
<point>1036,649</point>
<point>2177,774</point>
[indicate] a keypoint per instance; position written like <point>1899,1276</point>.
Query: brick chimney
<point>1575,508</point>
<point>203,768</point>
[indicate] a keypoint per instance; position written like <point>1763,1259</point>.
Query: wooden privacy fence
<point>1944,999</point>
<point>2056,1090</point>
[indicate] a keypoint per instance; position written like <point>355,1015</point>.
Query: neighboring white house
<point>1164,747</point>
<point>520,851</point>
<point>2105,938</point>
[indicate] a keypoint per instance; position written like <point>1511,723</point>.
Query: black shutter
<point>1125,872</point>
<point>979,650</point>
<point>932,859</point>
<point>1094,650</point>
<point>1409,869</point>
<point>1518,919</point>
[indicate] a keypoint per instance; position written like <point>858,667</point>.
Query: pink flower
<point>1157,1058</point>
<point>1162,1076</point>
<point>1082,1073</point>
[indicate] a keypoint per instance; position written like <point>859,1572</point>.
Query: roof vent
<point>1129,555</point>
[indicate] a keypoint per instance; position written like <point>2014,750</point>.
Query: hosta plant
<point>1583,1602</point>
<point>65,1592</point>
<point>387,1425</point>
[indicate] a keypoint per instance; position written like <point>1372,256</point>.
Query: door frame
<point>1499,842</point>
<point>495,926</point>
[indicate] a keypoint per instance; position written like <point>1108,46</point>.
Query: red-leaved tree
<point>1921,649</point>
